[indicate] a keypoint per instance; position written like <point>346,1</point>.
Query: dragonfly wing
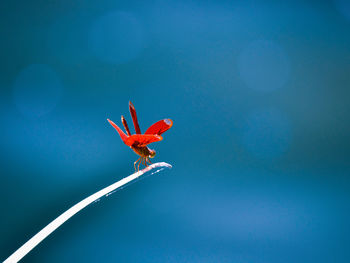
<point>122,135</point>
<point>126,126</point>
<point>134,118</point>
<point>160,127</point>
<point>142,139</point>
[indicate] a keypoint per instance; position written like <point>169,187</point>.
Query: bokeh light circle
<point>37,90</point>
<point>266,134</point>
<point>264,66</point>
<point>117,37</point>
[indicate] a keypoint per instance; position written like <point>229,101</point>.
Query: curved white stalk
<point>42,234</point>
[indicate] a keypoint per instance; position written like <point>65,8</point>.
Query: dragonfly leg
<point>145,162</point>
<point>136,163</point>
<point>138,167</point>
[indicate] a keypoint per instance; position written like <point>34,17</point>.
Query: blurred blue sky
<point>259,95</point>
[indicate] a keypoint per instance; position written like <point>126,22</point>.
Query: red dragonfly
<point>138,142</point>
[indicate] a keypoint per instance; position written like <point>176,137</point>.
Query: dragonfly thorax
<point>144,151</point>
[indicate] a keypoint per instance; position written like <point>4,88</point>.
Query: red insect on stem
<point>138,142</point>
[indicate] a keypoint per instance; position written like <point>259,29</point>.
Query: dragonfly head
<point>152,153</point>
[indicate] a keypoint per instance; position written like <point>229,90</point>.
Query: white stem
<point>40,236</point>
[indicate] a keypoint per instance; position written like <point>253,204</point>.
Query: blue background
<point>259,94</point>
